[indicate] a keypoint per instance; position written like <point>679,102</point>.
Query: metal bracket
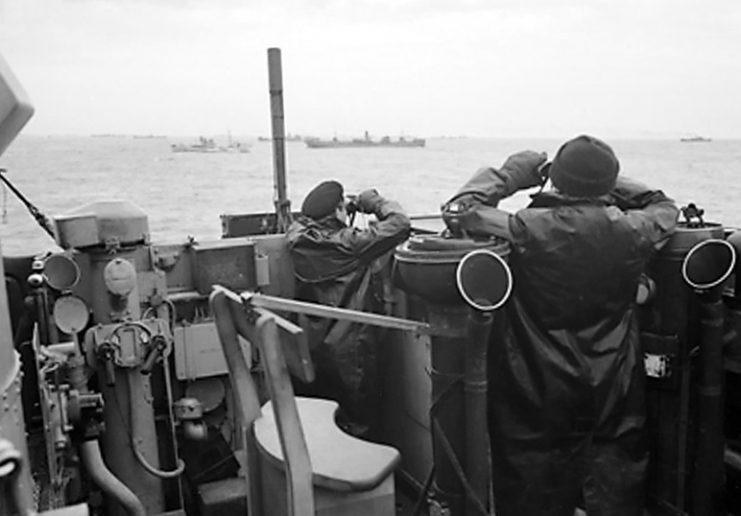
<point>256,300</point>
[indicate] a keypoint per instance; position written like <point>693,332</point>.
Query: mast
<point>280,198</point>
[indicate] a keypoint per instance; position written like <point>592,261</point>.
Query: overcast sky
<point>551,68</point>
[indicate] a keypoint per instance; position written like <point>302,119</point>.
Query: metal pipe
<point>107,481</point>
<point>475,386</point>
<point>447,408</point>
<point>708,484</point>
<point>185,297</point>
<point>275,76</point>
<point>331,312</point>
<point>705,268</point>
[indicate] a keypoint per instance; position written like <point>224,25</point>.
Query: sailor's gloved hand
<point>525,169</point>
<point>369,201</point>
<point>456,215</point>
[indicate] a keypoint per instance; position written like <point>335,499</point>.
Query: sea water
<point>184,194</point>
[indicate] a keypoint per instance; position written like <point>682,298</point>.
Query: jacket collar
<point>554,198</point>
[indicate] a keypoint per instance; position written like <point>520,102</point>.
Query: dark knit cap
<point>584,167</point>
<point>322,200</point>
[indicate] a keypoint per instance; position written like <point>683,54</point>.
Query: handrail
<point>232,320</point>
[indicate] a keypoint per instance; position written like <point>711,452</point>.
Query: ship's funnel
<point>484,280</point>
<point>708,264</point>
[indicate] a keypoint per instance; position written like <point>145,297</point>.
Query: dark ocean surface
<point>185,193</point>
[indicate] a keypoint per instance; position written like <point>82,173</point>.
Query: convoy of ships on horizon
<point>210,145</point>
<point>313,142</point>
<point>141,378</point>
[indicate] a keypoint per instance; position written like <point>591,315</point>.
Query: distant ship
<point>695,139</point>
<point>209,145</point>
<point>317,143</point>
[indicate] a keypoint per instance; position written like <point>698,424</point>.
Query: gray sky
<point>550,68</point>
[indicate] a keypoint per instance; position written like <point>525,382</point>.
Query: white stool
<point>350,476</point>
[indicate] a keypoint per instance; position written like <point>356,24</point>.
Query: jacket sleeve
<point>487,186</point>
<point>652,212</point>
<point>490,185</point>
<point>473,209</point>
<point>392,228</point>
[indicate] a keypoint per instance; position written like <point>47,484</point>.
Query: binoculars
<point>351,206</point>
<point>544,170</point>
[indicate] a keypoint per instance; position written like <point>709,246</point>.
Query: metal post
<point>447,410</point>
<point>708,483</point>
<point>275,76</point>
<point>475,386</point>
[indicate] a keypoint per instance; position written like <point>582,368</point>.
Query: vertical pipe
<point>447,410</point>
<point>709,486</point>
<point>275,76</point>
<point>475,385</point>
<point>107,481</point>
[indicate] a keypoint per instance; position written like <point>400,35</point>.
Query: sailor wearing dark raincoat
<point>341,266</point>
<point>566,384</point>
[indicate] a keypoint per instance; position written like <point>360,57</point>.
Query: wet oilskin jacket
<point>566,382</point>
<point>341,266</point>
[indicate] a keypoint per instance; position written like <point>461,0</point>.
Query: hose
<point>107,481</point>
<point>11,463</point>
<point>158,472</point>
<point>139,456</point>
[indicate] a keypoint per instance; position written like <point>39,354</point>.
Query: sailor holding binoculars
<point>343,266</point>
<point>566,385</point>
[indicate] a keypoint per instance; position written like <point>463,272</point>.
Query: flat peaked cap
<point>322,199</point>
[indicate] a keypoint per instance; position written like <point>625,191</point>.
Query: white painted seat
<point>339,461</point>
<point>299,463</point>
<point>350,476</point>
